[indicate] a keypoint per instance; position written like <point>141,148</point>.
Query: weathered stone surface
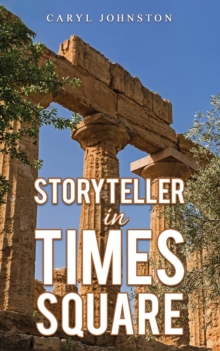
<point>142,269</point>
<point>213,329</point>
<point>12,341</point>
<point>19,322</point>
<point>150,144</point>
<point>133,88</point>
<point>17,225</point>
<point>38,290</point>
<point>86,58</point>
<point>193,348</point>
<point>162,108</point>
<point>105,340</point>
<point>185,145</point>
<point>25,324</point>
<point>164,164</point>
<point>123,82</point>
<point>60,290</point>
<point>60,286</point>
<point>100,161</point>
<point>95,96</point>
<point>92,95</point>
<point>148,98</point>
<point>83,55</point>
<point>165,156</point>
<point>46,344</point>
<point>168,112</point>
<point>137,115</point>
<point>117,78</point>
<point>197,318</point>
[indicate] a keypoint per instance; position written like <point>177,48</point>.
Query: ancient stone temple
<point>117,110</point>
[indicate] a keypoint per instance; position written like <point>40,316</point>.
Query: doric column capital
<point>101,129</point>
<point>168,163</point>
<point>171,169</point>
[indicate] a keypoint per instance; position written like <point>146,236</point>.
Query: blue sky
<point>178,60</point>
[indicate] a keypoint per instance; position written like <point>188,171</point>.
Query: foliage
<point>199,218</point>
<point>21,78</point>
<point>34,313</point>
<point>159,290</point>
<point>199,222</point>
<point>206,128</point>
<point>66,345</point>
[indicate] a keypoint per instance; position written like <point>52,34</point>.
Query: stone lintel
<point>148,122</point>
<point>167,155</point>
<point>86,58</point>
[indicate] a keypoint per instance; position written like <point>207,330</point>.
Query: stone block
<point>46,344</point>
<point>12,341</point>
<point>185,145</point>
<point>162,108</point>
<point>167,155</point>
<point>146,140</point>
<point>79,346</point>
<point>158,105</point>
<point>117,78</point>
<point>124,342</point>
<point>123,82</point>
<point>18,219</point>
<point>98,348</point>
<point>148,98</point>
<point>83,55</point>
<point>92,95</point>
<point>194,348</point>
<point>168,116</point>
<point>137,115</point>
<point>38,290</point>
<point>88,338</point>
<point>59,275</point>
<point>105,340</point>
<point>133,88</point>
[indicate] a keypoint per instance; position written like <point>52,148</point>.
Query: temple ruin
<point>117,110</point>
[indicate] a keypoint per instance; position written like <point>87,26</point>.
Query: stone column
<point>38,290</point>
<point>60,290</point>
<point>199,313</point>
<point>60,286</point>
<point>101,138</point>
<point>168,163</point>
<point>142,269</point>
<point>17,225</point>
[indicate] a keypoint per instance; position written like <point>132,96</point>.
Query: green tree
<point>199,218</point>
<point>21,77</point>
<point>199,221</point>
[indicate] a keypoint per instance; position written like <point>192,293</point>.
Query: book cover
<point>145,69</point>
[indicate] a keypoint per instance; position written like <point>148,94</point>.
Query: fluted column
<point>60,286</point>
<point>142,270</point>
<point>101,140</point>
<point>199,312</point>
<point>60,290</point>
<point>155,171</point>
<point>166,164</point>
<point>17,225</point>
<point>172,169</point>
